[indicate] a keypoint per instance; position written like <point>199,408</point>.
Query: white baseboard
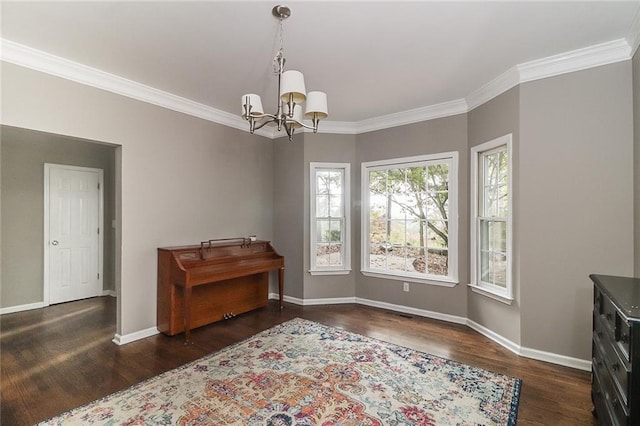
<point>413,311</point>
<point>20,308</point>
<point>119,339</point>
<point>502,341</point>
<point>310,302</point>
<point>111,293</point>
<point>577,363</point>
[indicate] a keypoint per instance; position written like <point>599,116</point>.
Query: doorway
<point>23,153</point>
<point>73,232</point>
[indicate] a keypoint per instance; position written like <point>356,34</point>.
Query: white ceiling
<point>372,58</point>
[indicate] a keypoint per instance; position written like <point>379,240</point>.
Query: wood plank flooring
<point>57,358</point>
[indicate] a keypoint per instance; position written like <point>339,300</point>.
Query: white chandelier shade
<point>255,105</point>
<point>297,115</point>
<point>292,93</point>
<point>316,105</point>
<point>292,87</point>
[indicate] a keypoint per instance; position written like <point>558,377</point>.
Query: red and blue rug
<point>304,373</point>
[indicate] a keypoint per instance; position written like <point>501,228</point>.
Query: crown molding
<point>495,87</point>
<point>337,127</point>
<point>633,36</point>
<point>38,60</point>
<point>576,60</point>
<point>445,109</point>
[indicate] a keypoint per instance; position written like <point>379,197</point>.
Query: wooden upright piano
<point>216,280</point>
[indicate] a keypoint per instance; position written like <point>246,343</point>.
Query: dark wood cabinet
<point>615,359</point>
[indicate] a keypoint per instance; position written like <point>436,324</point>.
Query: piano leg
<point>281,286</point>
<point>186,293</point>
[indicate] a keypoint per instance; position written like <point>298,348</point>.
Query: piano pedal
<point>229,315</point>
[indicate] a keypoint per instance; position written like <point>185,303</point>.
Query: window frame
<point>345,267</point>
<point>451,158</point>
<point>501,294</point>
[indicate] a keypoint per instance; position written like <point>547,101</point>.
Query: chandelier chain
<point>276,62</point>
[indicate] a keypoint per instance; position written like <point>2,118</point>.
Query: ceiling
<point>372,58</point>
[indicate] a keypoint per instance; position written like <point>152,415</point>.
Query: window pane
<point>414,229</point>
<point>396,259</point>
<point>416,180</point>
<point>438,177</point>
<point>335,231</point>
<point>493,248</point>
<point>335,255</point>
<point>335,182</point>
<point>378,231</point>
<point>494,186</point>
<point>438,206</point>
<point>410,197</point>
<point>437,234</point>
<point>322,206</point>
<point>378,181</point>
<point>397,232</point>
<point>328,255</point>
<point>322,182</point>
<point>438,261</point>
<point>322,230</point>
<point>396,206</point>
<point>335,206</point>
<point>396,181</point>
<point>493,236</point>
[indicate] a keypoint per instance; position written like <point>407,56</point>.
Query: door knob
<point>54,242</point>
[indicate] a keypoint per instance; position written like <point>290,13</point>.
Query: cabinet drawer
<point>609,313</point>
<point>623,336</point>
<point>612,401</point>
<point>600,404</point>
<point>597,301</point>
<point>600,329</point>
<point>618,368</point>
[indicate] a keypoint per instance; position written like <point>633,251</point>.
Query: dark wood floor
<point>60,357</point>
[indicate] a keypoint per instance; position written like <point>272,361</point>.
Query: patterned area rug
<point>304,373</point>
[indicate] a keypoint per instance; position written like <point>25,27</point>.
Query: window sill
<point>330,271</point>
<point>492,295</point>
<point>443,282</point>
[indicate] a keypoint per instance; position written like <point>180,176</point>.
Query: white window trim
<point>504,295</point>
<point>448,281</point>
<point>345,269</point>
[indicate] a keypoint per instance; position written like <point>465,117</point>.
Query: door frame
<point>47,168</point>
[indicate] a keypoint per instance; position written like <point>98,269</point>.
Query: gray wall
<point>427,137</point>
<point>24,153</point>
<point>575,207</point>
<point>183,179</point>
<point>636,156</point>
<point>288,224</point>
<point>498,117</point>
<point>332,149</point>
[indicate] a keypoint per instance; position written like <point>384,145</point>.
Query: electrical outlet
<point>405,287</point>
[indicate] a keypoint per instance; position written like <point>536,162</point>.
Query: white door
<point>73,240</point>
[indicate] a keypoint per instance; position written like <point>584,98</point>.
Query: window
<point>409,219</point>
<point>491,219</point>
<point>330,224</point>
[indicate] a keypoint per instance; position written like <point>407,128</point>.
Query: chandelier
<point>291,95</point>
